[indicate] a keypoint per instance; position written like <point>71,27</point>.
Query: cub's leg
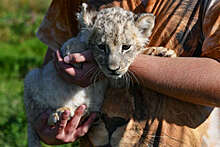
<point>160,51</point>
<point>56,116</point>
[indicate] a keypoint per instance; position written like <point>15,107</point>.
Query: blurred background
<point>20,51</point>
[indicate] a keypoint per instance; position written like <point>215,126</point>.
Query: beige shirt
<point>143,117</point>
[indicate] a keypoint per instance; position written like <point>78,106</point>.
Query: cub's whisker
<point>133,76</point>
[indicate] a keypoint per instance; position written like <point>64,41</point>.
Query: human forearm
<point>195,80</point>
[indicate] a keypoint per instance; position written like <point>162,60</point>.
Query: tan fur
<point>116,37</point>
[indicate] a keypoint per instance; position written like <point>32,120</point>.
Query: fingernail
<point>81,58</point>
<point>80,110</point>
<point>67,59</point>
<point>82,107</point>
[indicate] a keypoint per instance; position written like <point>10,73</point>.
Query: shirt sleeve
<point>59,23</point>
<point>211,31</point>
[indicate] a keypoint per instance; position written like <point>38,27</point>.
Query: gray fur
<point>112,28</point>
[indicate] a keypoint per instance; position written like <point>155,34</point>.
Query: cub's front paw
<point>56,116</point>
<point>160,51</point>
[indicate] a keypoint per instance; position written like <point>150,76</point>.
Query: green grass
<point>20,51</point>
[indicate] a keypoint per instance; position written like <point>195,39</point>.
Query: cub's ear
<point>86,17</point>
<point>145,23</point>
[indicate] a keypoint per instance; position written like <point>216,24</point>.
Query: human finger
<point>59,56</point>
<point>74,121</point>
<point>63,122</point>
<point>88,56</point>
<point>79,74</point>
<point>65,70</point>
<point>60,135</point>
<point>83,129</point>
<point>85,56</point>
<point>59,63</point>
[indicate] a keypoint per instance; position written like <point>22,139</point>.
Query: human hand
<point>65,131</point>
<point>83,76</point>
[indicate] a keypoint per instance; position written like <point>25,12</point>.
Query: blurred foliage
<point>20,18</point>
<point>20,51</point>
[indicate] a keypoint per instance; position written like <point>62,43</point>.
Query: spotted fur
<point>116,37</point>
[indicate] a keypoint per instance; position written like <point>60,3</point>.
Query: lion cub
<point>116,37</point>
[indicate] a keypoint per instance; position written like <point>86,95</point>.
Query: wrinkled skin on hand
<point>80,76</point>
<point>65,131</point>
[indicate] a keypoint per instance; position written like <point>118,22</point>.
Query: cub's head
<point>116,37</point>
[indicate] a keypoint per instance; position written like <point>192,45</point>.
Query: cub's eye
<point>101,46</point>
<point>125,47</point>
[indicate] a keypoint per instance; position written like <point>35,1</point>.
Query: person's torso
<point>142,117</point>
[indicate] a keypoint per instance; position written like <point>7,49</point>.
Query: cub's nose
<point>113,69</point>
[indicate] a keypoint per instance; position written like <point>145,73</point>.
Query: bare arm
<point>195,80</point>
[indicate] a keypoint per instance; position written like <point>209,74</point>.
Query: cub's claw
<point>56,116</point>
